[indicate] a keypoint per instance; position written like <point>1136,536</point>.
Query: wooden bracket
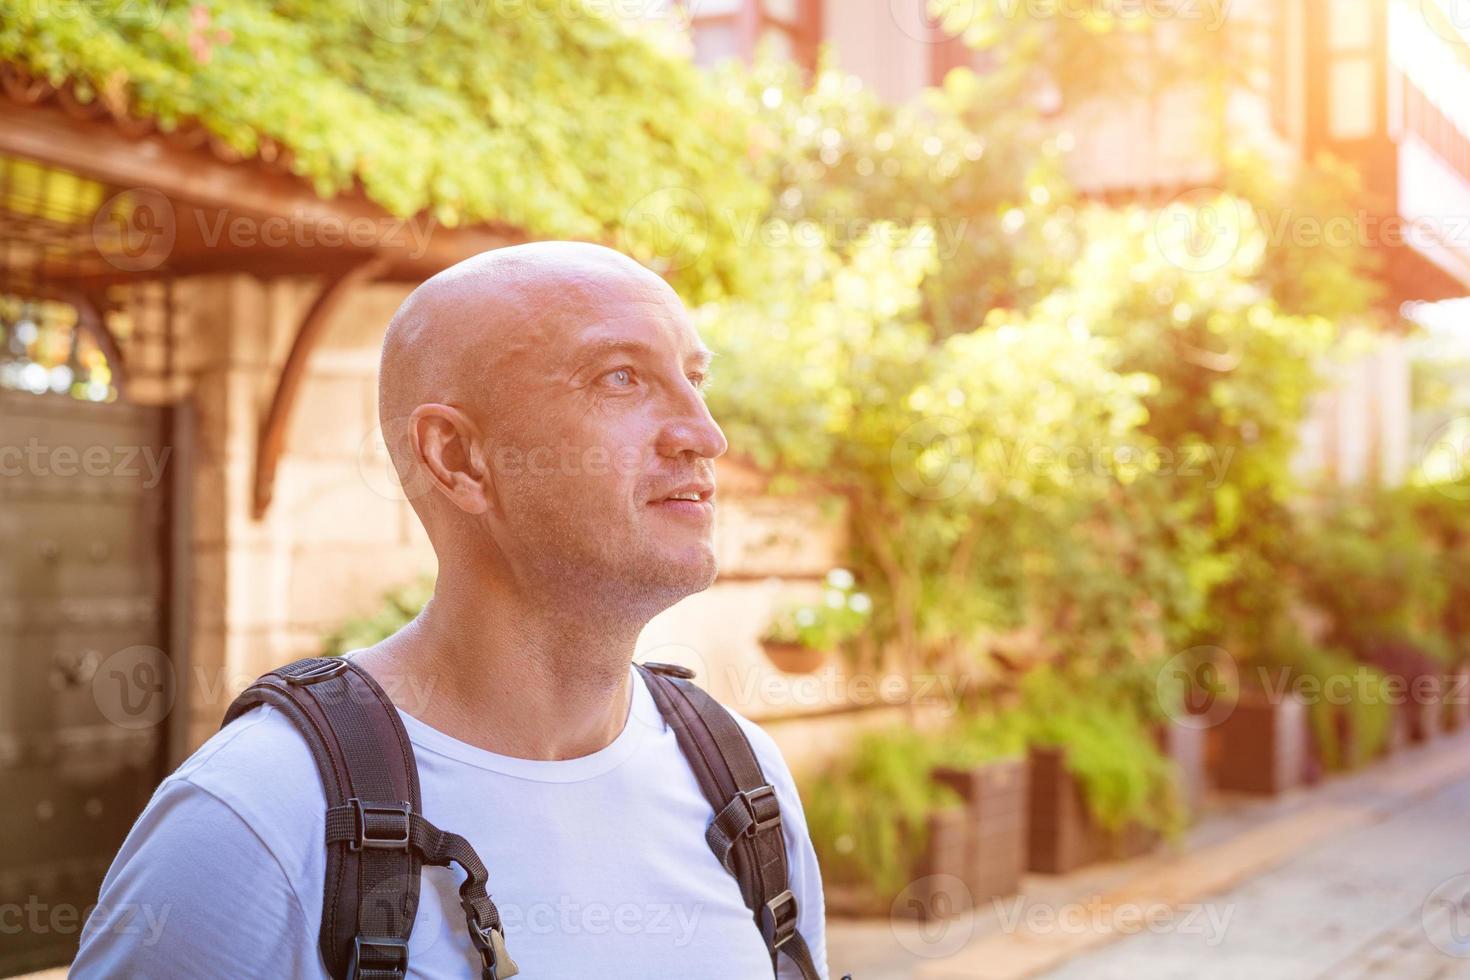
<point>272,440</point>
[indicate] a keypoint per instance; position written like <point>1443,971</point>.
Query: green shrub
<point>868,816</point>
<point>397,608</point>
<point>1124,776</point>
<point>1342,688</point>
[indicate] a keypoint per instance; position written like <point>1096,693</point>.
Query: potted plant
<point>1099,785</point>
<point>922,823</point>
<point>879,824</point>
<point>801,636</point>
<point>983,759</point>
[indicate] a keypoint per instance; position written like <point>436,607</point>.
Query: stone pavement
<point>1364,876</point>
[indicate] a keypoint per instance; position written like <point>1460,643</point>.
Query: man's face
<point>614,422</point>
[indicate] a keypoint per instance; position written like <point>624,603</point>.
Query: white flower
<point>805,617</point>
<point>859,602</point>
<point>840,578</point>
<point>836,600</point>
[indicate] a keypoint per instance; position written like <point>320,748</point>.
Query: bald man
<point>544,409</point>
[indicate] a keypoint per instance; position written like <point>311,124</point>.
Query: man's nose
<point>691,428</point>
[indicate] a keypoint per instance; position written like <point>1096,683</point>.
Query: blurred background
<point>1095,533</point>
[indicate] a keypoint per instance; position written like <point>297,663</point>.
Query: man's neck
<point>521,679</point>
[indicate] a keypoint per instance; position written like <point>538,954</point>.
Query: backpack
<point>378,840</point>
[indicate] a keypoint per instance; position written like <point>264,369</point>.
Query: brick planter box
<point>1185,745</point>
<point>1263,745</point>
<point>1398,734</point>
<point>1425,707</point>
<point>931,892</point>
<point>996,796</point>
<point>1062,834</point>
<point>976,851</point>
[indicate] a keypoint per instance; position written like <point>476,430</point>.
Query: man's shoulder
<point>259,766</point>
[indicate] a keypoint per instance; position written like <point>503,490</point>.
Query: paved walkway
<point>1366,876</point>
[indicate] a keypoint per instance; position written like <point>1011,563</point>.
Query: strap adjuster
<point>378,953</point>
<point>398,841</point>
<point>317,673</point>
<point>751,798</point>
<point>778,920</point>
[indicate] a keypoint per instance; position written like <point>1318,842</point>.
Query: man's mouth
<point>694,500</point>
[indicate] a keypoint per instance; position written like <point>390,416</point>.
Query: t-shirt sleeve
<point>194,892</point>
<point>801,857</point>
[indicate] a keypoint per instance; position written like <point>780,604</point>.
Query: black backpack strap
<point>745,833</point>
<point>377,839</point>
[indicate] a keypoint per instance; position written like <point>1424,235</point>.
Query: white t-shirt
<point>598,865</point>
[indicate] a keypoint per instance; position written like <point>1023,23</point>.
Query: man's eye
<point>623,372</point>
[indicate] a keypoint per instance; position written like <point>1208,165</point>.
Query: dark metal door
<point>86,687</point>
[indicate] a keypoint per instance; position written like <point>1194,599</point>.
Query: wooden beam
<point>272,440</point>
<point>98,149</point>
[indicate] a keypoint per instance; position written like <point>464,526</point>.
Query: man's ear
<point>446,445</point>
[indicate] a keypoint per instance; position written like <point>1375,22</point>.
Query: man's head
<point>540,402</point>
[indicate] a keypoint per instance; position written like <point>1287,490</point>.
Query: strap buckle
<point>378,953</point>
<point>399,841</point>
<point>483,938</point>
<point>778,920</point>
<point>751,798</point>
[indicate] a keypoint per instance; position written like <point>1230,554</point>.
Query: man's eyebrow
<point>700,358</point>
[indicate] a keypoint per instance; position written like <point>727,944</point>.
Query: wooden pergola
<point>192,189</point>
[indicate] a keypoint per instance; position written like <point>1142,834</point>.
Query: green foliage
<point>1362,559</point>
<point>1109,748</point>
<point>557,123</point>
<point>842,614</point>
<point>868,816</point>
<point>398,607</point>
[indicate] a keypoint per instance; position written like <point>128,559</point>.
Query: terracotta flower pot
<point>793,658</point>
